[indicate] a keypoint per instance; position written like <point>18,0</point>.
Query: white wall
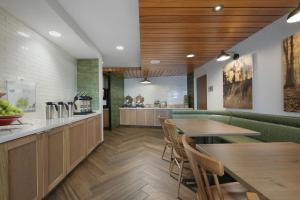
<point>35,59</point>
<point>171,89</point>
<point>266,45</point>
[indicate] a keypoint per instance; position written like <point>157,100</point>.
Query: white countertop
<point>38,126</point>
<point>156,108</point>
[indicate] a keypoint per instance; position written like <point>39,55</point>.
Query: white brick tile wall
<point>35,59</point>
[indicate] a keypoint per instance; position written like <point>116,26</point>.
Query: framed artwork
<point>237,83</point>
<point>22,94</point>
<point>291,71</point>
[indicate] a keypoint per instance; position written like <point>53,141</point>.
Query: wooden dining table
<point>208,128</point>
<point>272,170</point>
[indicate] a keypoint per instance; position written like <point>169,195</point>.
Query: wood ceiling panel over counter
<point>138,72</point>
<point>172,29</point>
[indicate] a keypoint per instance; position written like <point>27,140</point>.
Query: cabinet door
<point>131,116</point>
<point>128,117</point>
<point>99,129</point>
<point>149,117</point>
<point>106,118</point>
<point>145,117</point>
<point>76,148</point>
<point>54,158</point>
<point>141,117</point>
<point>94,133</point>
<point>123,117</point>
<point>91,134</point>
<point>21,169</point>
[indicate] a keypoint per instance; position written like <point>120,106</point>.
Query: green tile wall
<point>117,98</point>
<point>88,79</point>
<point>190,88</point>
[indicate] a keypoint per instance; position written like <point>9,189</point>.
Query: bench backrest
<point>273,128</point>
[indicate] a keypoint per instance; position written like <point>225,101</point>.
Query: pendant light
<point>294,16</point>
<point>223,56</point>
<point>145,81</point>
<point>145,73</point>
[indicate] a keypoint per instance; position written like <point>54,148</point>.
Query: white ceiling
<point>106,23</point>
<point>109,23</point>
<point>40,17</point>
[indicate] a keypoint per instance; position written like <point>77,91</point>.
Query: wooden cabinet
<point>106,118</point>
<point>21,169</point>
<point>142,117</point>
<point>76,144</point>
<point>122,117</point>
<point>54,155</point>
<point>99,130</point>
<point>94,133</point>
<point>30,167</point>
<point>145,117</point>
<point>128,117</point>
<point>149,116</point>
<point>90,135</point>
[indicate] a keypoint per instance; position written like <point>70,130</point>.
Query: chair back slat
<point>201,164</point>
<point>162,123</point>
<point>175,138</point>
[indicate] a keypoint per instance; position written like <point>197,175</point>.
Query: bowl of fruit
<point>8,113</point>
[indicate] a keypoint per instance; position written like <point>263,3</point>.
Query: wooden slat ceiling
<point>127,72</point>
<point>171,29</point>
<point>138,72</point>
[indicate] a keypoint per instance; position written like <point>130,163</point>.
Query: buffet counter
<point>144,116</point>
<point>44,152</point>
<point>38,126</point>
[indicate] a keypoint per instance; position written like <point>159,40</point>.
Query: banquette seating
<point>273,128</point>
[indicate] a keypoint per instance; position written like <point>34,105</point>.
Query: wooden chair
<point>179,155</point>
<point>168,143</point>
<point>202,164</point>
<point>252,196</point>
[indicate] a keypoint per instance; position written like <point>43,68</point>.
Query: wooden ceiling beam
<point>208,19</point>
<point>157,11</point>
<point>194,35</point>
<point>212,3</point>
<point>203,25</point>
<point>193,30</point>
<point>193,39</point>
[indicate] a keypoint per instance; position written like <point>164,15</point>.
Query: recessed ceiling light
<point>24,48</point>
<point>120,48</point>
<point>55,34</point>
<point>155,62</point>
<point>23,34</point>
<point>218,8</point>
<point>294,16</point>
<point>190,55</point>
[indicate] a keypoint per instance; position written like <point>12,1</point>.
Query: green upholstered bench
<point>239,139</point>
<point>273,128</point>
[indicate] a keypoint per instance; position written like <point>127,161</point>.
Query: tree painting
<point>237,83</point>
<point>291,64</point>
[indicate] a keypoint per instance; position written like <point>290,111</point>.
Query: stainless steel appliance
<point>51,109</point>
<point>82,104</point>
<point>163,104</point>
<point>70,109</point>
<point>62,109</point>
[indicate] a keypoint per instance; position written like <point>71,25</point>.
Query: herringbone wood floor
<point>127,166</point>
